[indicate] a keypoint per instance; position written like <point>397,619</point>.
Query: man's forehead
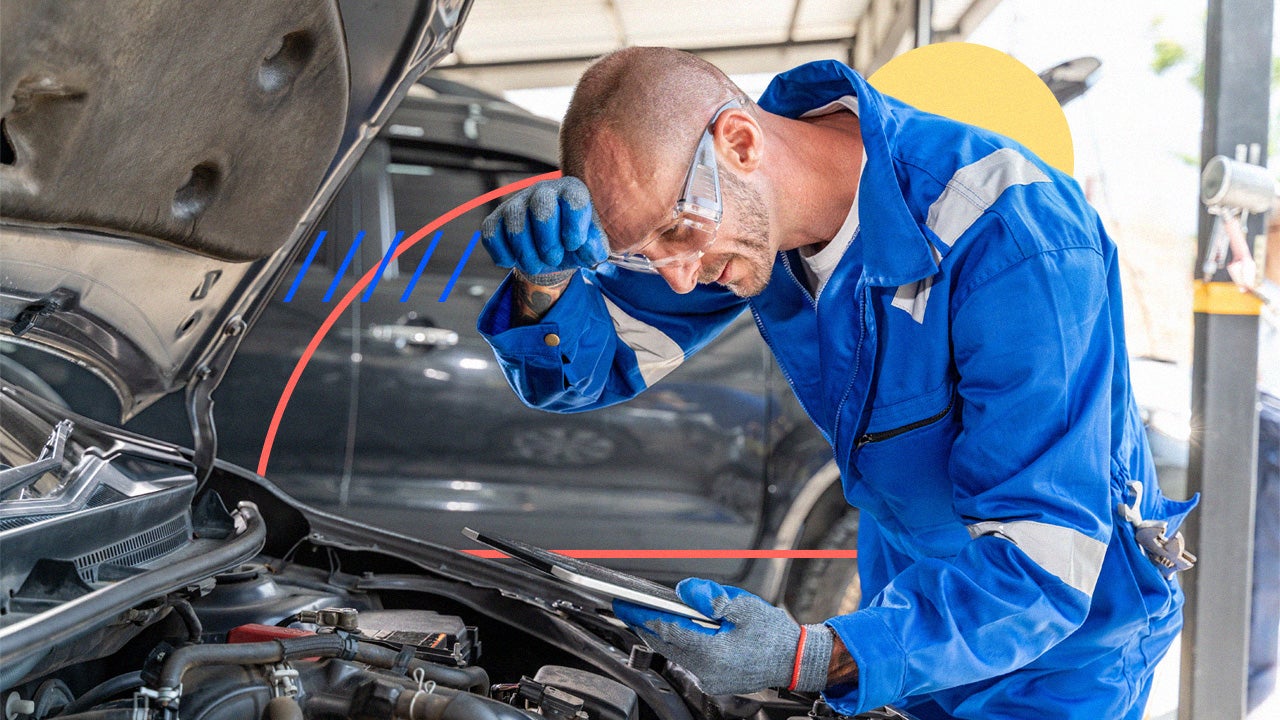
<point>630,192</point>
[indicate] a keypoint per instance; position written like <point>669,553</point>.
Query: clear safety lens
<point>684,242</point>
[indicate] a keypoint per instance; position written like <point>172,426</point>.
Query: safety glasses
<point>695,217</point>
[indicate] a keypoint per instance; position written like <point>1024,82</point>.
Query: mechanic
<point>947,309</point>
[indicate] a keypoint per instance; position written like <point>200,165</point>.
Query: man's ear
<point>739,140</point>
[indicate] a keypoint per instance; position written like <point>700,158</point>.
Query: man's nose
<point>682,277</point>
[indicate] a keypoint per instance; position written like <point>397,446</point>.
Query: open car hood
<point>163,161</point>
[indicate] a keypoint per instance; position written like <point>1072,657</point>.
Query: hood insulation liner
<point>204,124</point>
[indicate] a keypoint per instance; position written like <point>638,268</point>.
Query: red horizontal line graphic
<point>687,554</point>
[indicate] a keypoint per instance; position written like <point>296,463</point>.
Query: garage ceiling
<point>512,44</point>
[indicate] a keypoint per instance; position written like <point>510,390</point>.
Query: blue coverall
<point>966,361</point>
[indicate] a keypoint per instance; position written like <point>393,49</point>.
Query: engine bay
<point>279,639</point>
<point>130,587</point>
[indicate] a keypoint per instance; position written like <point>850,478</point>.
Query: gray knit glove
<point>546,231</point>
<point>757,646</point>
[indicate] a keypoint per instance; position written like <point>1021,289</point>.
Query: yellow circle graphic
<point>982,86</point>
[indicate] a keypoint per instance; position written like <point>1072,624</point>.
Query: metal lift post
<point>1222,466</point>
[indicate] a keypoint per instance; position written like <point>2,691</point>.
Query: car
<point>163,164</point>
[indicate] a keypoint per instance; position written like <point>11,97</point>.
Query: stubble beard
<point>757,252</point>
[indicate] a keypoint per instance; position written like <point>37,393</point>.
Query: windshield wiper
<point>50,459</point>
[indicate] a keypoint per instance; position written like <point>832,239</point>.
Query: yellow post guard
<point>1224,298</point>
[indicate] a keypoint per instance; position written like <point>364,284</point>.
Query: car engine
<point>251,647</point>
<point>248,644</point>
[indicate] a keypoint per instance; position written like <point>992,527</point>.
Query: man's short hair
<point>654,98</point>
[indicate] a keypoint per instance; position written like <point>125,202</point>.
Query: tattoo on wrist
<point>532,301</point>
<point>539,301</point>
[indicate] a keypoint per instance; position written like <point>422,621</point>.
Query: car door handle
<point>405,335</point>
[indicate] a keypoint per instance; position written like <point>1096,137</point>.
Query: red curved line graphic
<point>346,300</point>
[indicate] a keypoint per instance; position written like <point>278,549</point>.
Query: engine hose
<point>179,661</point>
<point>260,653</point>
<point>473,678</point>
<point>189,618</point>
<point>104,691</point>
<point>120,713</point>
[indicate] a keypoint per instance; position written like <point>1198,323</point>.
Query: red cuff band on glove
<point>795,672</point>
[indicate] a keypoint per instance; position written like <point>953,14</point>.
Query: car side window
<point>428,183</point>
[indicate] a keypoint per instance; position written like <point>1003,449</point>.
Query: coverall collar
<point>895,250</point>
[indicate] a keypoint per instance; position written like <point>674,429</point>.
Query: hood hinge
<point>200,398</point>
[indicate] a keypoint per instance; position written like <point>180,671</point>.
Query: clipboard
<point>595,578</point>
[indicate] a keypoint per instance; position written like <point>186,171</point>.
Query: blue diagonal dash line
<point>386,258</point>
<point>422,265</point>
<point>342,270</point>
<point>306,265</point>
<point>462,261</point>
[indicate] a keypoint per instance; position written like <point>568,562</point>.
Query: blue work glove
<point>546,231</point>
<point>757,646</point>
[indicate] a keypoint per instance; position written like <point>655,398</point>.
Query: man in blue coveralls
<point>947,309</point>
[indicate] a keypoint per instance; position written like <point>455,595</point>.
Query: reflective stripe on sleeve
<point>656,353</point>
<point>976,187</point>
<point>1068,554</point>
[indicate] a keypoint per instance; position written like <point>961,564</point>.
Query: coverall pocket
<point>1175,511</point>
<point>1160,596</point>
<point>906,468</point>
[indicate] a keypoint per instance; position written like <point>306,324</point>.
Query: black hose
<point>185,658</point>
<point>119,713</point>
<point>189,618</point>
<point>472,678</point>
<point>327,706</point>
<point>259,653</point>
<point>454,706</point>
<point>104,691</point>
<point>179,661</point>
